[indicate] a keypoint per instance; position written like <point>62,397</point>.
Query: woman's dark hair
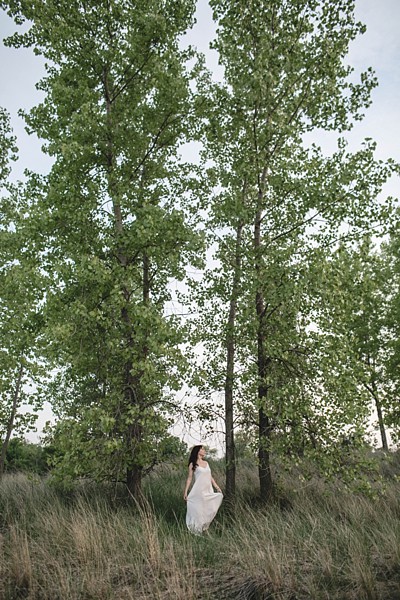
<point>193,456</point>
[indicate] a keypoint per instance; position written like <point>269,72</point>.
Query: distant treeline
<point>27,457</point>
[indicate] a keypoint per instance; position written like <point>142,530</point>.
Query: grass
<point>95,544</point>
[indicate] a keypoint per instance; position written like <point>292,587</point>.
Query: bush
<point>23,456</point>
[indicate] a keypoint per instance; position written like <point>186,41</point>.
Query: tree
<point>284,76</point>
<point>109,221</point>
<point>365,280</point>
<point>27,457</point>
<point>391,326</point>
<point>20,298</point>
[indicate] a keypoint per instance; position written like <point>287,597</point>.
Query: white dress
<point>202,502</point>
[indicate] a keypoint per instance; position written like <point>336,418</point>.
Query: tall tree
<point>284,76</point>
<point>391,325</point>
<point>366,281</point>
<point>109,220</point>
<point>20,314</point>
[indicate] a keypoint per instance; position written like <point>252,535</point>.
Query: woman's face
<point>202,452</point>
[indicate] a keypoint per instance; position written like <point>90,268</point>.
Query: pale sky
<point>379,48</point>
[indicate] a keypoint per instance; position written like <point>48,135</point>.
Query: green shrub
<point>23,456</point>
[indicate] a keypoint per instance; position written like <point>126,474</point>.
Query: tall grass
<point>94,543</point>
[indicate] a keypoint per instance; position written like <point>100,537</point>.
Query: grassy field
<point>94,543</point>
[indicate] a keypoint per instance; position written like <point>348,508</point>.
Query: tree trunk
<point>373,390</point>
<point>134,472</point>
<point>264,425</point>
<point>385,445</point>
<point>264,466</point>
<point>378,405</point>
<point>133,436</point>
<point>230,458</point>
<point>131,385</point>
<point>134,482</point>
<point>10,425</point>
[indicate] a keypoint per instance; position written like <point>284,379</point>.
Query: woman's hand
<point>185,496</point>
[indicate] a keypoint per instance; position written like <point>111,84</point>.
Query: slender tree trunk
<point>131,386</point>
<point>134,481</point>
<point>10,425</point>
<point>374,389</point>
<point>134,472</point>
<point>378,405</point>
<point>264,425</point>
<point>230,458</point>
<point>134,434</point>
<point>265,429</point>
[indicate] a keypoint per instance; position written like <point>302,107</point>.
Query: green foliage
<point>172,448</point>
<point>112,223</point>
<point>23,456</point>
<point>92,447</point>
<point>390,324</point>
<point>8,148</point>
<point>91,253</point>
<point>296,373</point>
<point>21,295</point>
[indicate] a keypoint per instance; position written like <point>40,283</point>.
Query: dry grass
<point>92,545</point>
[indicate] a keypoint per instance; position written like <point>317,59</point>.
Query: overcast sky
<point>379,48</point>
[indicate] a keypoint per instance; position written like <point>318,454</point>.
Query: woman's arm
<point>215,484</point>
<point>188,482</point>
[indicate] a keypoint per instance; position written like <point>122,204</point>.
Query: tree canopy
<point>296,306</point>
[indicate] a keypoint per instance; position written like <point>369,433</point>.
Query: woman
<point>202,502</point>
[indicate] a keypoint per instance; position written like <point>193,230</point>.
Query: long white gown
<point>202,502</point>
